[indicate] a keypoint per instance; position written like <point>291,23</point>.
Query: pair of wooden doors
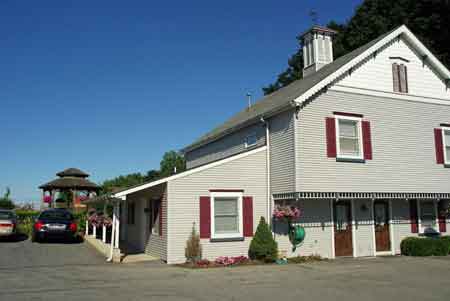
<point>343,230</point>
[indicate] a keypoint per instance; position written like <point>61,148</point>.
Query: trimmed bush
<point>263,247</point>
<point>447,239</point>
<point>416,246</point>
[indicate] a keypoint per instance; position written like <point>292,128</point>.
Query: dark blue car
<point>54,224</point>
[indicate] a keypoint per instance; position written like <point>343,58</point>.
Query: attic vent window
<point>251,140</point>
<point>400,78</point>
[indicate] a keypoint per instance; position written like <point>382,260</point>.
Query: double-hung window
<point>349,137</point>
<point>226,214</point>
<point>446,143</point>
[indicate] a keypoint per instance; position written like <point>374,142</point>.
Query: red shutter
<point>367,140</point>
<point>205,217</point>
<point>439,146</point>
<point>247,212</point>
<point>161,218</point>
<point>442,217</point>
<point>331,137</point>
<point>413,216</point>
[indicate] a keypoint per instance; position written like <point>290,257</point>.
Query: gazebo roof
<point>70,183</point>
<point>72,172</point>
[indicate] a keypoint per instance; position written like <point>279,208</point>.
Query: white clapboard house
<point>361,144</point>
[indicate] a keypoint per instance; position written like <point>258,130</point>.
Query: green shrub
<point>447,239</point>
<point>416,246</point>
<point>81,221</point>
<point>263,247</point>
<point>193,250</point>
<point>25,214</point>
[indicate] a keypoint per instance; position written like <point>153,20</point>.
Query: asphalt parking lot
<point>58,271</point>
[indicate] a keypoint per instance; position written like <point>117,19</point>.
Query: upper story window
<point>226,209</point>
<point>446,140</point>
<point>349,137</point>
<point>400,77</point>
<point>251,140</point>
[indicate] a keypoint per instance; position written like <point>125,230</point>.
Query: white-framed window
<point>250,140</point>
<point>226,215</point>
<point>428,217</point>
<point>349,137</point>
<point>446,143</point>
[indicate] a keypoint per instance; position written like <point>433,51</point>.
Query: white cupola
<point>317,49</point>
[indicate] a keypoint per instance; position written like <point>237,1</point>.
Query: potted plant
<point>291,214</point>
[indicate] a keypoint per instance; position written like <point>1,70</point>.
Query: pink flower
<point>47,199</point>
<point>287,212</point>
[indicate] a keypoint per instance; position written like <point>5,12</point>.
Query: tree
<point>5,201</point>
<point>172,162</point>
<point>428,19</point>
<point>121,182</point>
<point>263,246</point>
<point>193,250</point>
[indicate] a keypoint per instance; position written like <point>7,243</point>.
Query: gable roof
<point>72,172</point>
<point>301,90</point>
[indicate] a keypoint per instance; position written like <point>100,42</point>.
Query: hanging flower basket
<point>48,199</point>
<point>290,214</point>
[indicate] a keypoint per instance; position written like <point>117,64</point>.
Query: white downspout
<point>269,197</point>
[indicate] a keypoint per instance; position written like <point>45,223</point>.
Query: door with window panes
<point>381,220</point>
<point>343,243</point>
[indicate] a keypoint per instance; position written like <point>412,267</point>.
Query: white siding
<point>316,220</point>
<point>282,152</point>
<point>401,223</point>
<point>403,146</point>
<point>226,146</point>
<point>248,173</point>
<point>376,73</point>
<point>156,245</point>
<point>363,234</point>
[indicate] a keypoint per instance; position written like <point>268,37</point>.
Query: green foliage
<point>263,247</point>
<point>427,19</point>
<point>172,160</point>
<point>24,214</point>
<point>415,246</point>
<point>447,239</point>
<point>25,225</point>
<point>168,163</point>
<point>5,201</point>
<point>193,250</point>
<point>81,221</point>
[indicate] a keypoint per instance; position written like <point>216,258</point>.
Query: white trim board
<point>402,31</point>
<point>189,172</point>
<point>392,95</point>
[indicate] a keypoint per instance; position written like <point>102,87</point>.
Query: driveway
<point>75,272</point>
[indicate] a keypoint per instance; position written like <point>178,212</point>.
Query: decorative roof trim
<point>402,31</point>
<point>360,195</point>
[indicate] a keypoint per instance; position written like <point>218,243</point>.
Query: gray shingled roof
<point>279,100</point>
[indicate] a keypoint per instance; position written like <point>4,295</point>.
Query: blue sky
<point>109,86</point>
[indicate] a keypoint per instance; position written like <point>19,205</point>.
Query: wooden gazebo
<point>69,190</point>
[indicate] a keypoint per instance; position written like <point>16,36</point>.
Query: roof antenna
<point>314,17</point>
<point>249,97</point>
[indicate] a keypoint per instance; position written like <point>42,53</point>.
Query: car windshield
<point>56,215</point>
<point>6,215</point>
